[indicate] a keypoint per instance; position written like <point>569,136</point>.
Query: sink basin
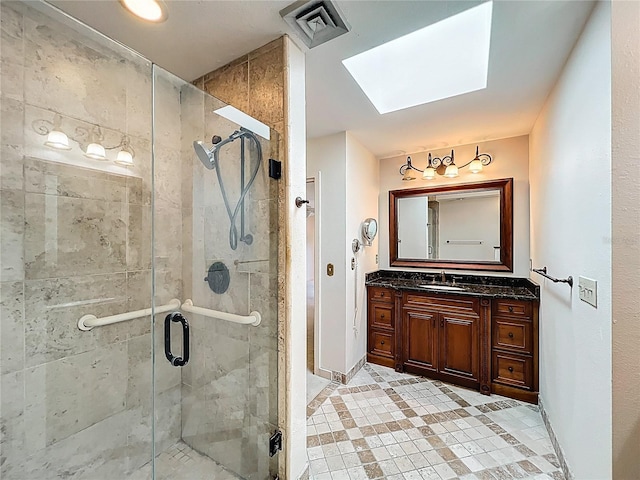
<point>446,288</point>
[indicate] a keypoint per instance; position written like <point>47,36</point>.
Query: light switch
<point>588,290</point>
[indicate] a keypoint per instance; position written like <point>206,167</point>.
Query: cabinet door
<point>460,345</point>
<point>420,341</point>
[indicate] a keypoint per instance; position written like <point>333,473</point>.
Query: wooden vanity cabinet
<point>486,344</point>
<point>381,348</point>
<point>441,337</point>
<point>514,349</point>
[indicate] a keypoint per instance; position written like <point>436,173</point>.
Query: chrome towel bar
<point>543,271</point>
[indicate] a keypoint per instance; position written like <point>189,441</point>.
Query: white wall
<point>327,156</point>
<point>510,159</point>
<point>294,423</point>
<point>472,218</point>
<point>570,173</point>
<point>625,18</point>
<point>362,202</point>
<point>348,194</point>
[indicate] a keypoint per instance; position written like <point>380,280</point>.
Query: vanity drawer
<point>380,294</point>
<point>381,315</point>
<point>441,303</point>
<point>512,334</point>
<point>381,343</point>
<point>514,308</point>
<point>512,369</point>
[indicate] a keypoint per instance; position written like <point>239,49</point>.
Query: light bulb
<point>409,175</point>
<point>95,151</point>
<point>429,173</point>
<point>124,158</point>
<point>57,139</point>
<point>451,171</point>
<point>475,166</point>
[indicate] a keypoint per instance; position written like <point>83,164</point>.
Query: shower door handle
<point>173,360</point>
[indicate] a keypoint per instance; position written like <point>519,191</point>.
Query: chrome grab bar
<point>254,318</point>
<point>87,322</point>
<point>543,271</point>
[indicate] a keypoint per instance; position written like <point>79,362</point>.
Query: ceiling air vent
<point>315,22</point>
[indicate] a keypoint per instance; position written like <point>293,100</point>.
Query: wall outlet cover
<point>588,290</point>
<point>330,269</point>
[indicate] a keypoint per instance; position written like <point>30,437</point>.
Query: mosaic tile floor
<point>402,427</point>
<point>181,462</point>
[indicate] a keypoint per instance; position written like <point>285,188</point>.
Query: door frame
<point>317,263</point>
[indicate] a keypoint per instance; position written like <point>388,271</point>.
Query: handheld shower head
<point>205,156</point>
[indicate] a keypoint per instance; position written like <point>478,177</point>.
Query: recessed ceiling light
<point>448,58</point>
<point>150,10</point>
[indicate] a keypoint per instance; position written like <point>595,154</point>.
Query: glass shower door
<point>215,215</point>
<point>75,245</point>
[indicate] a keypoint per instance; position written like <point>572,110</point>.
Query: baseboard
<point>324,373</point>
<point>345,378</point>
<point>554,441</point>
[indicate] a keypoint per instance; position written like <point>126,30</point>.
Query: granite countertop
<point>515,288</point>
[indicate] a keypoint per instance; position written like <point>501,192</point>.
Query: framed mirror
<point>467,226</point>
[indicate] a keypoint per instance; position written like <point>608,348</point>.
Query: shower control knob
<point>216,139</point>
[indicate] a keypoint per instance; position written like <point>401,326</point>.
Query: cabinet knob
<point>382,343</point>
<point>510,369</point>
<point>382,316</point>
<point>511,309</point>
<point>510,334</point>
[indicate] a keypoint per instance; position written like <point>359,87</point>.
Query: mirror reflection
<point>461,225</point>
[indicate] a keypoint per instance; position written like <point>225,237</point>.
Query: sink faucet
<point>443,277</point>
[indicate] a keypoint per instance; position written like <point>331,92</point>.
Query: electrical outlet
<point>588,290</point>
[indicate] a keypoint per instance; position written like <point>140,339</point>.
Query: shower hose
<point>233,230</point>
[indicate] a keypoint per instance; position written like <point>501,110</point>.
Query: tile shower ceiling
<point>401,427</point>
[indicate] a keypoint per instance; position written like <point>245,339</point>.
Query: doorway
<point>315,383</point>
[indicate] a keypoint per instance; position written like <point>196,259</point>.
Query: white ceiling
<point>530,43</point>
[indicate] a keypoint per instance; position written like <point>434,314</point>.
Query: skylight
<point>442,60</point>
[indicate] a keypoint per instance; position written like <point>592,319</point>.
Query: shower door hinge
<point>275,169</point>
<point>275,443</point>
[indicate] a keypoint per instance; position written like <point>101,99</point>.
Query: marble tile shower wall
<point>229,391</point>
<point>78,241</point>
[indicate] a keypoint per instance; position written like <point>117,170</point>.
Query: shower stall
<point>139,285</point>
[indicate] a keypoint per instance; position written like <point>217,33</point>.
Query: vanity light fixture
<point>125,156</point>
<point>56,138</point>
<point>444,166</point>
<point>95,150</point>
<point>149,10</point>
